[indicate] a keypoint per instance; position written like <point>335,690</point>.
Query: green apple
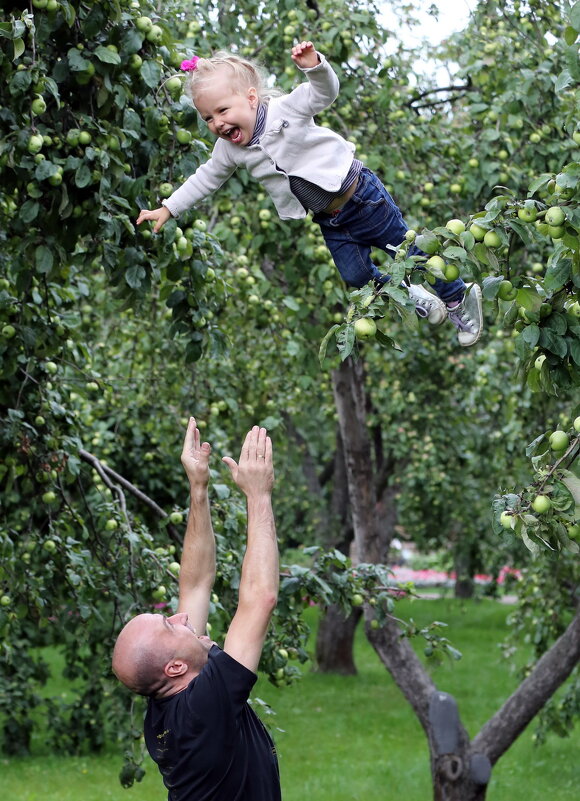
<point>436,263</point>
<point>265,214</point>
<point>506,519</point>
<point>576,137</point>
<point>541,504</point>
<point>283,653</point>
<point>39,420</point>
<point>576,424</point>
<point>72,137</point>
<point>451,272</point>
<point>527,214</point>
<point>492,239</point>
<point>506,290</point>
<point>174,567</point>
<point>38,105</point>
<point>159,593</point>
<point>35,143</point>
<point>559,440</point>
<point>155,34</point>
<point>143,24</point>
<point>111,524</point>
<point>555,216</point>
<point>556,231</point>
<point>183,136</point>
<point>574,531</point>
<point>477,232</point>
<point>357,599</point>
<point>176,518</point>
<point>165,189</point>
<point>365,327</point>
<point>56,178</point>
<point>50,367</point>
<point>5,600</point>
<point>174,86</point>
<point>49,497</point>
<point>8,331</point>
<point>49,545</point>
<point>84,138</point>
<point>455,226</point>
<point>135,62</point>
<point>200,225</point>
<point>410,235</point>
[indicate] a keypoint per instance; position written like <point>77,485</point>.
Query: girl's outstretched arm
<point>160,215</point>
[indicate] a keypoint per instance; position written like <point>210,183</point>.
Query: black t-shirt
<point>208,743</point>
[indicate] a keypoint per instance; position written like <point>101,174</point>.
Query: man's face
<point>178,631</point>
<point>171,639</point>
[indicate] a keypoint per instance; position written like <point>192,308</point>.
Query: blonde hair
<point>244,74</point>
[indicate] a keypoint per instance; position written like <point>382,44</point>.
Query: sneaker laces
<point>460,318</point>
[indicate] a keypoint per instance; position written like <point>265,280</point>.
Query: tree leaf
<point>563,81</point>
<point>151,73</point>
<point>531,334</point>
<point>554,343</point>
<point>18,48</point>
<point>83,176</point>
<point>107,56</point>
<point>43,259</point>
<point>324,344</point>
<point>574,16</point>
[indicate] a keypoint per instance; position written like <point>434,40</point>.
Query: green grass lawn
<point>351,738</point>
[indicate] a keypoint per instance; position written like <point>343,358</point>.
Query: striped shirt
<point>310,195</point>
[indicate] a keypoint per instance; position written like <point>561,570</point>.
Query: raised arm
<point>254,475</point>
<point>197,572</point>
<point>323,85</point>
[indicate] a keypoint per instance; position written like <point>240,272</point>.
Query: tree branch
<point>107,472</point>
<point>551,671</point>
<point>451,88</point>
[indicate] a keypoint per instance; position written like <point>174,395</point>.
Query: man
<point>207,742</point>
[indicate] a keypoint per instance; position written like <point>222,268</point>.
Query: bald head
<point>155,655</point>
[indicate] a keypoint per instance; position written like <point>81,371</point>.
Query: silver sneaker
<point>427,305</point>
<point>467,317</point>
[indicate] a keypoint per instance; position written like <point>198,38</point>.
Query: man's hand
<point>160,216</point>
<point>304,55</point>
<point>254,473</point>
<point>195,457</point>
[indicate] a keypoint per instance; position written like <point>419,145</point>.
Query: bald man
<point>206,740</point>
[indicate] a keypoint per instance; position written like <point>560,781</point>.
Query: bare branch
<point>550,672</point>
<point>108,473</point>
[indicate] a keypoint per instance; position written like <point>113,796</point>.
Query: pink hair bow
<point>189,64</point>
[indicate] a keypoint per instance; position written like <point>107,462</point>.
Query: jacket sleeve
<point>321,90</point>
<point>205,181</point>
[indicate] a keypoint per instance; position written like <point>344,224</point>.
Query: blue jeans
<point>371,218</point>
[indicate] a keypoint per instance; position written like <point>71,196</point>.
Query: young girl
<point>304,166</point>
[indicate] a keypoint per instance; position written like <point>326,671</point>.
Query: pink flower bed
<point>438,578</point>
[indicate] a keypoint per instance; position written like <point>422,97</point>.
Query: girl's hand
<point>160,216</point>
<point>304,55</point>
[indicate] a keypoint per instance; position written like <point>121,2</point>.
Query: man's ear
<point>175,668</point>
<point>253,96</point>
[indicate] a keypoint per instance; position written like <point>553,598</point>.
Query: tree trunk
<point>460,769</point>
<point>334,641</point>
